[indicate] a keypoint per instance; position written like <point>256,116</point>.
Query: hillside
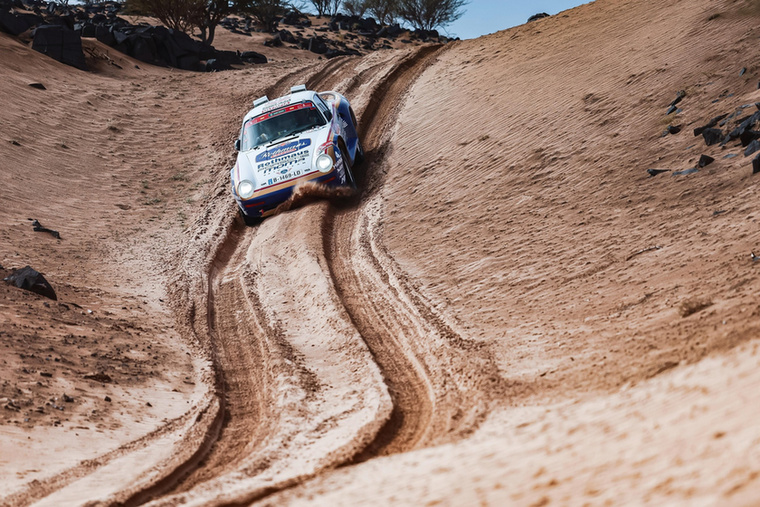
<point>534,299</point>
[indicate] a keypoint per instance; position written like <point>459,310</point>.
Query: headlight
<point>245,189</point>
<point>324,163</point>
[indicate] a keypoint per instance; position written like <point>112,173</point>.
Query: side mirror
<point>237,144</point>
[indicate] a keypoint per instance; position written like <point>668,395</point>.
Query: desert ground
<point>512,310</point>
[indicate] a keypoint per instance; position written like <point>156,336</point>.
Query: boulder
<point>253,57</point>
<point>28,279</point>
<point>60,43</point>
<point>712,136</point>
<point>540,15</point>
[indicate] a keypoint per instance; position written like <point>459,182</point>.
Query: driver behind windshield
<point>277,124</point>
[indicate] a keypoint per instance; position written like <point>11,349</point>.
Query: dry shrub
<point>693,305</point>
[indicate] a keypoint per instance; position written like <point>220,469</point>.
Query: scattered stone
<point>46,374</point>
<point>655,172</point>
<point>754,257</point>
<point>28,279</point>
<point>15,143</point>
<point>710,124</point>
<point>39,86</point>
<point>686,171</point>
<point>535,17</point>
<point>253,57</point>
<point>68,399</point>
<point>756,165</point>
<point>108,399</point>
<point>149,404</point>
<point>705,160</point>
<point>752,148</point>
<point>712,136</point>
<point>741,72</point>
<point>730,155</point>
<point>672,129</point>
<point>748,136</point>
<point>679,97</point>
<point>99,377</point>
<point>672,109</point>
<point>718,212</point>
<point>37,226</point>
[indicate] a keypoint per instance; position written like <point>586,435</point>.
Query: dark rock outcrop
<point>29,279</point>
<point>60,43</point>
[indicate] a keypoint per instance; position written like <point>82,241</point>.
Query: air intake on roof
<point>260,100</point>
<point>298,88</point>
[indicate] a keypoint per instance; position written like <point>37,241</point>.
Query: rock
<point>11,23</point>
<point>253,57</point>
<point>672,109</point>
<point>741,72</point>
<point>28,279</point>
<point>60,43</point>
<point>655,172</point>
<point>752,148</point>
<point>710,124</point>
<point>46,374</point>
<point>686,171</point>
<point>37,226</point>
<point>756,165</point>
<point>108,399</point>
<point>67,398</point>
<point>214,65</point>
<point>679,97</point>
<point>748,136</point>
<point>39,86</point>
<point>672,129</point>
<point>712,136</point>
<point>99,377</point>
<point>705,160</point>
<point>540,15</point>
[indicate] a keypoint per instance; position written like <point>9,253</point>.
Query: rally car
<point>305,136</point>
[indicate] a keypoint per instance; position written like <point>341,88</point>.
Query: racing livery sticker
<point>283,149</point>
<point>284,162</point>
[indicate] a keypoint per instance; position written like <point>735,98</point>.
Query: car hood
<point>287,159</point>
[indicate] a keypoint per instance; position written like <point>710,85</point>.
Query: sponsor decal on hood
<point>283,149</point>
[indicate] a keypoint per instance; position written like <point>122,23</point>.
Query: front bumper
<point>264,201</point>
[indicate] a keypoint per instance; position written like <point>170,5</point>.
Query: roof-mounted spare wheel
<point>298,88</point>
<point>260,100</point>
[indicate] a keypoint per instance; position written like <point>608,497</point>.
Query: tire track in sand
<point>426,363</point>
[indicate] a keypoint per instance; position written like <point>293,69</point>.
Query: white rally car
<point>302,137</point>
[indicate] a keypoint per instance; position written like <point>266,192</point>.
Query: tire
<point>347,167</point>
<point>248,220</point>
<point>359,153</point>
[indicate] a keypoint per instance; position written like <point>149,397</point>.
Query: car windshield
<point>280,123</point>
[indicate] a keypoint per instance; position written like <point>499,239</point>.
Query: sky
<point>482,17</point>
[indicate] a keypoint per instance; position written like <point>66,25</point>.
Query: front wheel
<point>248,220</point>
<point>347,167</point>
<point>359,153</point>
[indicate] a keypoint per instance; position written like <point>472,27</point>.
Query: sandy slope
<point>488,321</point>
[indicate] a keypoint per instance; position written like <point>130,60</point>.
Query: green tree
<point>429,14</point>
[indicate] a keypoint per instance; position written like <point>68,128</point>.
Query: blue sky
<point>482,17</point>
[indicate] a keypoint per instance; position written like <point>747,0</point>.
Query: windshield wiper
<point>291,133</point>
